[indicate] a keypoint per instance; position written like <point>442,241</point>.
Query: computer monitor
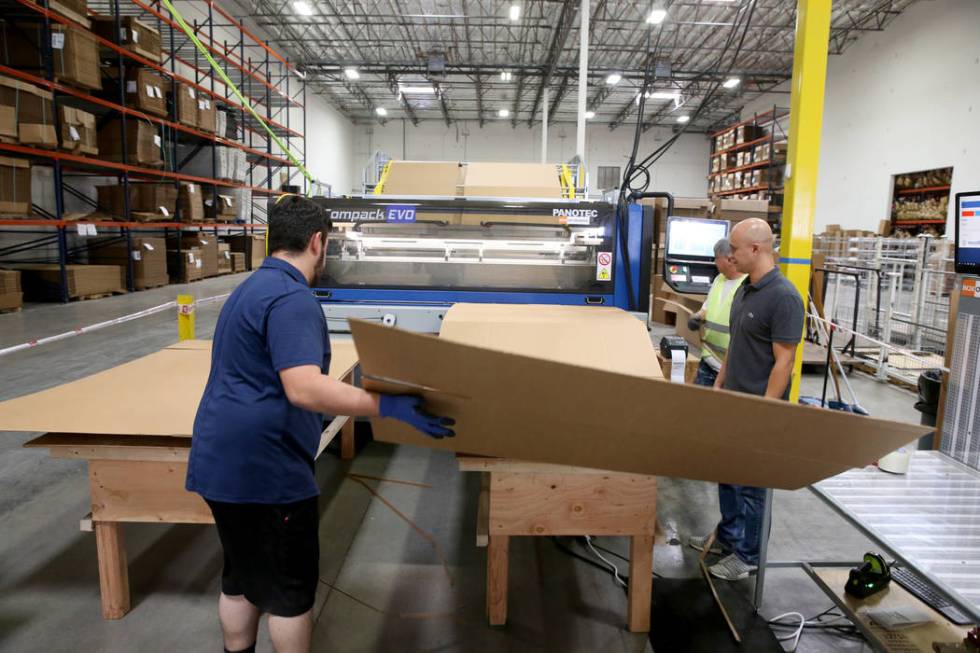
<point>967,251</point>
<point>694,238</point>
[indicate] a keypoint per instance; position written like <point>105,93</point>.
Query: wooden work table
<point>538,499</point>
<point>139,477</point>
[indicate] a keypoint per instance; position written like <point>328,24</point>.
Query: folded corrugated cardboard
<point>237,262</point>
<point>153,395</point>
<point>9,281</point>
<point>76,10</point>
<point>42,282</point>
<point>146,91</point>
<point>511,180</point>
<point>207,244</point>
<point>32,106</point>
<point>206,120</point>
<point>191,203</point>
<point>579,391</point>
<point>741,209</point>
<point>423,178</point>
<point>224,210</point>
<point>156,199</point>
<point>78,131</point>
<point>15,187</point>
<point>255,242</point>
<point>134,35</point>
<point>143,143</point>
<point>225,265</point>
<point>149,256</point>
<point>76,52</point>
<point>187,105</point>
<point>11,300</point>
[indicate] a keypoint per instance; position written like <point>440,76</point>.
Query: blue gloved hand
<point>408,409</point>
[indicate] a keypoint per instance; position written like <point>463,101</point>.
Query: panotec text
<point>575,213</point>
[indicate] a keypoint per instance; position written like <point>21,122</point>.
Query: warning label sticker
<point>603,266</point>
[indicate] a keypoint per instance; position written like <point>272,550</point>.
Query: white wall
<point>897,101</point>
<point>681,171</point>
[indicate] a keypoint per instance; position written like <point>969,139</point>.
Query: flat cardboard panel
<point>563,411</point>
<point>78,131</point>
<point>187,105</point>
<point>511,180</point>
<point>143,143</point>
<point>42,282</point>
<point>422,178</point>
<point>153,395</point>
<point>191,200</point>
<point>15,186</point>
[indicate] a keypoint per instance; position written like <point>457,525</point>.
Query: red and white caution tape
<point>102,325</point>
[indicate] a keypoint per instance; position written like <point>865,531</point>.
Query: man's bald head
<point>751,242</point>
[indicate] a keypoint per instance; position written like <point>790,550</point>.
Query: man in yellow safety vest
<point>713,316</point>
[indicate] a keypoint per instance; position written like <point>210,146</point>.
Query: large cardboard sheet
<point>569,405</point>
<point>483,179</point>
<point>153,395</point>
<point>423,178</point>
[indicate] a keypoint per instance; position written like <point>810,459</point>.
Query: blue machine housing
<point>628,288</point>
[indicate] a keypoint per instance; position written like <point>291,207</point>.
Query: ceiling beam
<point>569,10</point>
<point>406,105</point>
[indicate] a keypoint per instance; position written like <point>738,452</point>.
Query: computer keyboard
<point>921,588</point>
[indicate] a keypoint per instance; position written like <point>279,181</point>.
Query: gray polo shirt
<point>764,312</point>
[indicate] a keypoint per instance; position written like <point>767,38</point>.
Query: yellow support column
<point>185,317</point>
<point>803,152</point>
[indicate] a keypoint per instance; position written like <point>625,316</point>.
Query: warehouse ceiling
<point>453,60</point>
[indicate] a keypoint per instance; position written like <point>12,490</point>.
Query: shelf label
<point>191,93</point>
<point>136,36</point>
<point>164,211</point>
<point>137,255</point>
<point>58,41</point>
<point>73,133</point>
<point>157,141</point>
<point>131,86</point>
<point>148,247</point>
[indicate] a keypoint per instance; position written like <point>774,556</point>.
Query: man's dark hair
<point>292,222</point>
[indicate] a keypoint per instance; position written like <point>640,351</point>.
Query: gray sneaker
<point>698,542</point>
<point>731,567</point>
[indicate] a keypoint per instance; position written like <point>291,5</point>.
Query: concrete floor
<point>383,587</point>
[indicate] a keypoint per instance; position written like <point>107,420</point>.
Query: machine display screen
<point>694,237</point>
<point>968,233</point>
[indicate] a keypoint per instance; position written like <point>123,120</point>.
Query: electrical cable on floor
<point>794,636</point>
<point>615,570</point>
<point>845,630</point>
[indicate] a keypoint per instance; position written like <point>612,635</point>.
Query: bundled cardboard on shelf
<point>224,209</point>
<point>228,120</point>
<point>225,265</point>
<point>185,266</point>
<point>78,131</point>
<point>76,52</point>
<point>148,201</point>
<point>143,142</point>
<point>11,295</point>
<point>251,245</point>
<point>237,262</point>
<point>186,105</point>
<point>206,120</point>
<point>228,163</point>
<point>15,187</point>
<point>207,246</point>
<point>76,10</point>
<point>191,200</point>
<point>134,35</point>
<point>149,256</point>
<point>42,282</point>
<point>26,114</point>
<point>737,210</point>
<point>748,133</point>
<point>146,90</point>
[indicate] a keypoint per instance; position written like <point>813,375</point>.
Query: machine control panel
<point>689,256</point>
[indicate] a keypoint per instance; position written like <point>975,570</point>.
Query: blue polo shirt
<point>250,444</point>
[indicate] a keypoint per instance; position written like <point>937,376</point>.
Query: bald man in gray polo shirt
<point>766,327</point>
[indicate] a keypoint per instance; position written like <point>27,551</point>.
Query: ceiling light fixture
<point>416,90</point>
<point>351,73</point>
<point>303,8</point>
<point>683,119</point>
<point>381,111</point>
<point>613,79</point>
<point>657,14</point>
<point>503,113</point>
<point>515,12</point>
<point>732,82</point>
<point>506,75</point>
<point>589,115</point>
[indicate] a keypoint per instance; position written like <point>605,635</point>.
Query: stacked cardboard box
<point>76,10</point>
<point>149,257</point>
<point>134,35</point>
<point>76,52</point>
<point>186,105</point>
<point>185,266</point>
<point>11,296</point>
<point>78,131</point>
<point>206,118</point>
<point>207,250</point>
<point>237,262</point>
<point>224,209</point>
<point>42,282</point>
<point>145,89</point>
<point>253,245</point>
<point>738,210</point>
<point>225,265</point>
<point>26,114</point>
<point>143,143</point>
<point>15,187</point>
<point>148,202</point>
<point>191,200</point>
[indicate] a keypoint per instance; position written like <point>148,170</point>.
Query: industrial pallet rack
<point>775,138</point>
<point>271,84</point>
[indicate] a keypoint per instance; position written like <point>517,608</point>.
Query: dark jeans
<point>740,528</point>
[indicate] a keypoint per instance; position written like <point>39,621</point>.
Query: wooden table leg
<point>497,571</point>
<point>347,440</point>
<point>641,582</point>
<point>113,569</point>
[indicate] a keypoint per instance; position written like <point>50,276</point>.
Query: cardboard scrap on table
<point>595,400</point>
<point>156,395</point>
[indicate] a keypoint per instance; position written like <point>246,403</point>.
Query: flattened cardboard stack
<point>26,114</point>
<point>42,282</point>
<point>148,202</point>
<point>11,296</point>
<point>76,10</point>
<point>143,143</point>
<point>228,163</point>
<point>511,180</point>
<point>207,246</point>
<point>423,178</point>
<point>224,259</point>
<point>185,266</point>
<point>206,119</point>
<point>149,256</point>
<point>191,203</point>
<point>186,105</point>
<point>145,90</point>
<point>237,262</point>
<point>738,210</point>
<point>224,210</point>
<point>521,386</point>
<point>251,244</point>
<point>134,35</point>
<point>76,52</point>
<point>78,131</point>
<point>15,187</point>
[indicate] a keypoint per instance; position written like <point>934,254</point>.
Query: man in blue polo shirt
<point>258,427</point>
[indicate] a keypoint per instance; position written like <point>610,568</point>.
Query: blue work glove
<point>408,409</point>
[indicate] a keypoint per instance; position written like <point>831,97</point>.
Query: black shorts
<point>272,553</point>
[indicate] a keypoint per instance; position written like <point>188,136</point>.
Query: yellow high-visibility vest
<point>718,309</point>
